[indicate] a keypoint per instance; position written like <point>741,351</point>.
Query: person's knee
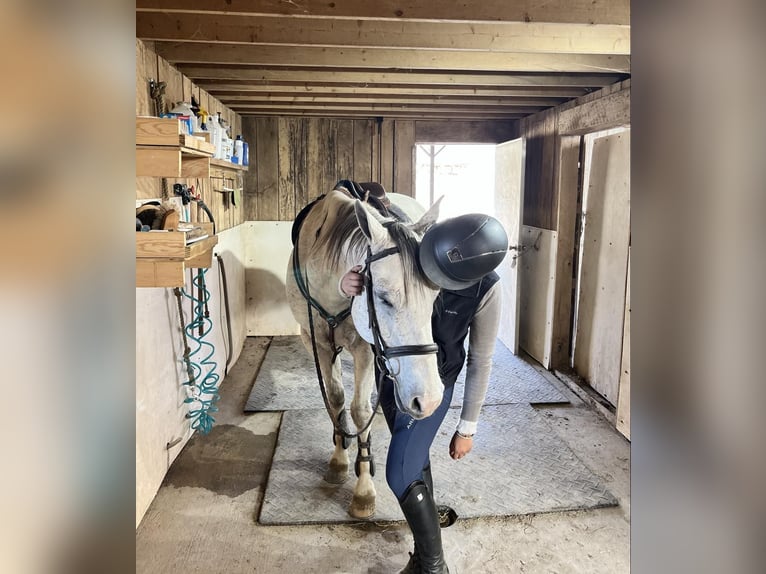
<point>396,481</point>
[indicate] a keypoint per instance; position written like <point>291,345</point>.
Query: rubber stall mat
<point>518,465</point>
<point>287,380</point>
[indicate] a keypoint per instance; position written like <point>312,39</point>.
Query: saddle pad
<point>287,380</point>
<point>518,466</point>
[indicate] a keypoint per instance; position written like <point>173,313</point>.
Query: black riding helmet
<point>457,252</point>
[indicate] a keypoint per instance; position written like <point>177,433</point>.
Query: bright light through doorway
<point>463,174</point>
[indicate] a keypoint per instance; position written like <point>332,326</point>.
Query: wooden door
<point>509,201</point>
<point>600,311</point>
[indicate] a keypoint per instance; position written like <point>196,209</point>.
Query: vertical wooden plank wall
<point>550,198</point>
<point>404,144</point>
<point>364,131</point>
<point>293,160</point>
<point>568,158</point>
<point>180,88</point>
<point>603,272</point>
<point>539,190</point>
<point>146,68</point>
<point>623,401</point>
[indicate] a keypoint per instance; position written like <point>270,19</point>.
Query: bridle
<point>383,352</point>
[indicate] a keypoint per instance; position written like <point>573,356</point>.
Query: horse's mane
<point>345,234</point>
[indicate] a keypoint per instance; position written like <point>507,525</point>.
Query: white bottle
<point>215,135</point>
<point>239,149</point>
<point>228,143</point>
<point>222,128</point>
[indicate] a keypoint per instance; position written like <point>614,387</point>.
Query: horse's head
<point>403,301</point>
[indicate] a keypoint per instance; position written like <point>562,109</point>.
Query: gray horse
<point>334,237</point>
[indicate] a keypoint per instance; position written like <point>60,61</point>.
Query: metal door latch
<point>522,249</point>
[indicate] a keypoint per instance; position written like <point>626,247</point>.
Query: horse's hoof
<point>336,474</point>
<point>362,506</point>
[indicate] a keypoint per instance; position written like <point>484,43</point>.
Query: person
<point>459,255</point>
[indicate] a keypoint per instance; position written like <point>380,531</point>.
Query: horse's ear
<point>371,227</point>
<point>428,218</point>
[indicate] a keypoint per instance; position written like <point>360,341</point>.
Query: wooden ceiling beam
<point>319,99</point>
<point>366,77</point>
<point>564,11</point>
<point>384,58</point>
<point>324,32</point>
<point>248,91</point>
<point>422,115</point>
<point>380,109</point>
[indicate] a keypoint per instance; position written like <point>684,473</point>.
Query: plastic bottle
<point>222,136</point>
<point>215,135</point>
<point>228,143</point>
<point>245,153</point>
<point>239,149</point>
<point>203,120</point>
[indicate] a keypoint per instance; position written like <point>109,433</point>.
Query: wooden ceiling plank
<point>383,58</point>
<point>389,108</point>
<point>287,112</point>
<point>243,92</point>
<point>470,101</point>
<point>566,11</point>
<point>386,77</point>
<point>323,32</point>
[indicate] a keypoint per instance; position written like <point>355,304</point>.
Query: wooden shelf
<point>163,256</point>
<point>163,150</point>
<point>227,165</point>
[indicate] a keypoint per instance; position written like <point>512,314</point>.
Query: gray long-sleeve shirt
<point>481,347</point>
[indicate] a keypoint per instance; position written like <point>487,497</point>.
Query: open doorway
<point>480,178</point>
<point>463,173</point>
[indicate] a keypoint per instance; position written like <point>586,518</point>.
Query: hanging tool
<point>188,195</point>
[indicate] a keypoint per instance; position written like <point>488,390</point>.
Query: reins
<point>332,320</point>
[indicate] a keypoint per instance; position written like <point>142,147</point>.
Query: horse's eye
<point>385,301</point>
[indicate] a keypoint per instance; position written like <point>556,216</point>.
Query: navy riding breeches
<point>408,453</point>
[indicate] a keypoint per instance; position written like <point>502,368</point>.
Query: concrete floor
<point>204,518</point>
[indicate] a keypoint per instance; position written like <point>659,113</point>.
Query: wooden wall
<point>551,186</point>
<point>160,410</point>
<point>180,88</point>
<point>537,271</point>
<point>298,159</point>
<point>540,196</point>
<point>603,262</point>
<point>604,109</point>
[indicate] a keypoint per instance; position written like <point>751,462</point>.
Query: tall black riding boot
<point>447,514</point>
<point>420,511</point>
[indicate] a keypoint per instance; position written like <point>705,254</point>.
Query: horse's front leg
<point>337,470</point>
<point>363,502</point>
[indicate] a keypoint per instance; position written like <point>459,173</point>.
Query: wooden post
<point>568,154</point>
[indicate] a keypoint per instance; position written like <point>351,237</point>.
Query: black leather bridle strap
<point>381,349</point>
<point>333,320</point>
<point>405,350</point>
